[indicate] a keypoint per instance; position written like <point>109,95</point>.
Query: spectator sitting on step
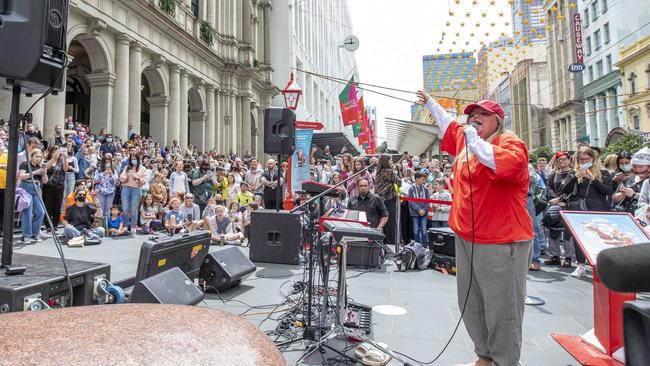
<point>192,213</point>
<point>79,217</point>
<point>115,223</point>
<point>221,230</point>
<point>174,219</point>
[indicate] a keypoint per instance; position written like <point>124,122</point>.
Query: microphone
<point>625,269</point>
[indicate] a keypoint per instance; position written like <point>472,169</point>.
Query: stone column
<point>267,34</point>
<point>121,96</point>
<point>54,112</point>
<point>237,126</point>
<point>135,91</point>
<point>101,102</point>
<point>212,13</point>
<point>197,124</point>
<point>612,121</point>
<point>228,141</point>
<point>158,119</point>
<point>247,29</point>
<point>246,131</point>
<point>37,112</point>
<point>173,123</point>
<point>219,121</point>
<point>182,142</point>
<point>209,125</point>
<point>600,119</point>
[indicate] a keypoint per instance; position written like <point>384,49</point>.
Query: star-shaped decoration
<point>501,14</point>
<point>484,15</point>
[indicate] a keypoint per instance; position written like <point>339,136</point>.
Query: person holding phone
<point>192,213</point>
<point>31,218</point>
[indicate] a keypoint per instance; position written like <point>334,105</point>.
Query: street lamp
<point>291,94</point>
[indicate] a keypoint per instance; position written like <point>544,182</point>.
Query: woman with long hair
<point>55,186</point>
<point>132,178</point>
<point>491,221</point>
<point>358,166</point>
<point>589,189</point>
<point>346,166</point>
<point>32,216</point>
<point>386,186</point>
<point>105,178</point>
<point>232,190</point>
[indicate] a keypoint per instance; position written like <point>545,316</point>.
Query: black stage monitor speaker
<point>275,237</point>
<point>279,130</point>
<point>225,269</point>
<point>636,331</point>
<point>33,43</point>
<point>169,287</point>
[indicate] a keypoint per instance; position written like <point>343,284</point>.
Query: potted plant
<point>207,33</point>
<point>168,6</point>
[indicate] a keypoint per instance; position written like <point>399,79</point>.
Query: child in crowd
<point>115,223</point>
<point>178,181</point>
<point>159,193</point>
<point>221,230</point>
<point>418,210</point>
<point>174,219</point>
<point>244,197</point>
<point>149,215</point>
<point>440,211</point>
<point>209,209</point>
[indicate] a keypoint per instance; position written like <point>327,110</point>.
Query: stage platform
<point>429,298</point>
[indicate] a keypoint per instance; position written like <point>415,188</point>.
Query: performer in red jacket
<point>489,216</point>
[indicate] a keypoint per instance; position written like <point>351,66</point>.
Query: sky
<point>394,35</point>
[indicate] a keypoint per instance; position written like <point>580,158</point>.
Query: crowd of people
<point>104,185</point>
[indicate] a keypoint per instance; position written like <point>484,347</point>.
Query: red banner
<point>577,33</point>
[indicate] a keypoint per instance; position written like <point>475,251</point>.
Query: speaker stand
<point>10,191</point>
<point>278,188</point>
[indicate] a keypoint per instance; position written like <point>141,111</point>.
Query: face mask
<point>107,166</point>
<point>81,134</point>
<point>626,168</point>
<point>134,162</point>
<point>404,163</point>
<point>586,165</point>
<point>70,126</point>
<point>81,198</point>
<point>110,139</point>
<point>416,164</point>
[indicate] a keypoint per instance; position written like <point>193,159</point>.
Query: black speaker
<point>442,240</point>
<point>169,287</point>
<point>279,130</point>
<point>636,332</point>
<point>33,40</point>
<point>275,237</point>
<point>225,269</point>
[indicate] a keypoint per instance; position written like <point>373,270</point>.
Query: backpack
<point>413,256</point>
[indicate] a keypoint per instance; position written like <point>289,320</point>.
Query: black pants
<point>390,230</point>
<point>405,222</point>
<point>2,209</point>
<point>52,197</point>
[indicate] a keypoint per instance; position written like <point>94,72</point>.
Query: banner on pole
<point>300,168</point>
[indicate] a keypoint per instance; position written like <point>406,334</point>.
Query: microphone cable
<point>471,271</point>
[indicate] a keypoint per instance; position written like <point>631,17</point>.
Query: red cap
<point>488,105</point>
<point>561,153</point>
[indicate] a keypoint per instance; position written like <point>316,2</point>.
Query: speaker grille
<point>55,23</point>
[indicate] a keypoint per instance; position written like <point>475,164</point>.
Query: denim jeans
<point>31,218</point>
<point>71,232</point>
<point>540,236</point>
<point>130,203</point>
<point>105,202</point>
<point>70,179</point>
<point>420,229</point>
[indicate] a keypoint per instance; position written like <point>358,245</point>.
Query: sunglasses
<point>189,198</point>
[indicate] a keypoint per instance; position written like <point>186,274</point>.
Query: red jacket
<point>500,212</point>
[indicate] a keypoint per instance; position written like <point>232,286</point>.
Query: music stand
<point>341,233</point>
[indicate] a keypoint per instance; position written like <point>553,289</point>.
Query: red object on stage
<point>342,215</point>
<point>597,346</point>
<point>305,125</point>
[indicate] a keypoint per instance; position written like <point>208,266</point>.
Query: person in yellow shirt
<point>244,197</point>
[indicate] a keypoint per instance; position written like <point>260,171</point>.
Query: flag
<point>356,129</point>
<point>364,135</point>
<point>348,101</point>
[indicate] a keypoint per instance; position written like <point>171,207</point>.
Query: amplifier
<point>363,253</point>
<point>442,241</point>
<point>44,279</point>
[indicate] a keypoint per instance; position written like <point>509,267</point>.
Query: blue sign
<point>300,169</point>
<point>576,67</point>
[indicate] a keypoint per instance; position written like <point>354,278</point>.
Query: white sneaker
<point>45,235</point>
<point>580,271</point>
